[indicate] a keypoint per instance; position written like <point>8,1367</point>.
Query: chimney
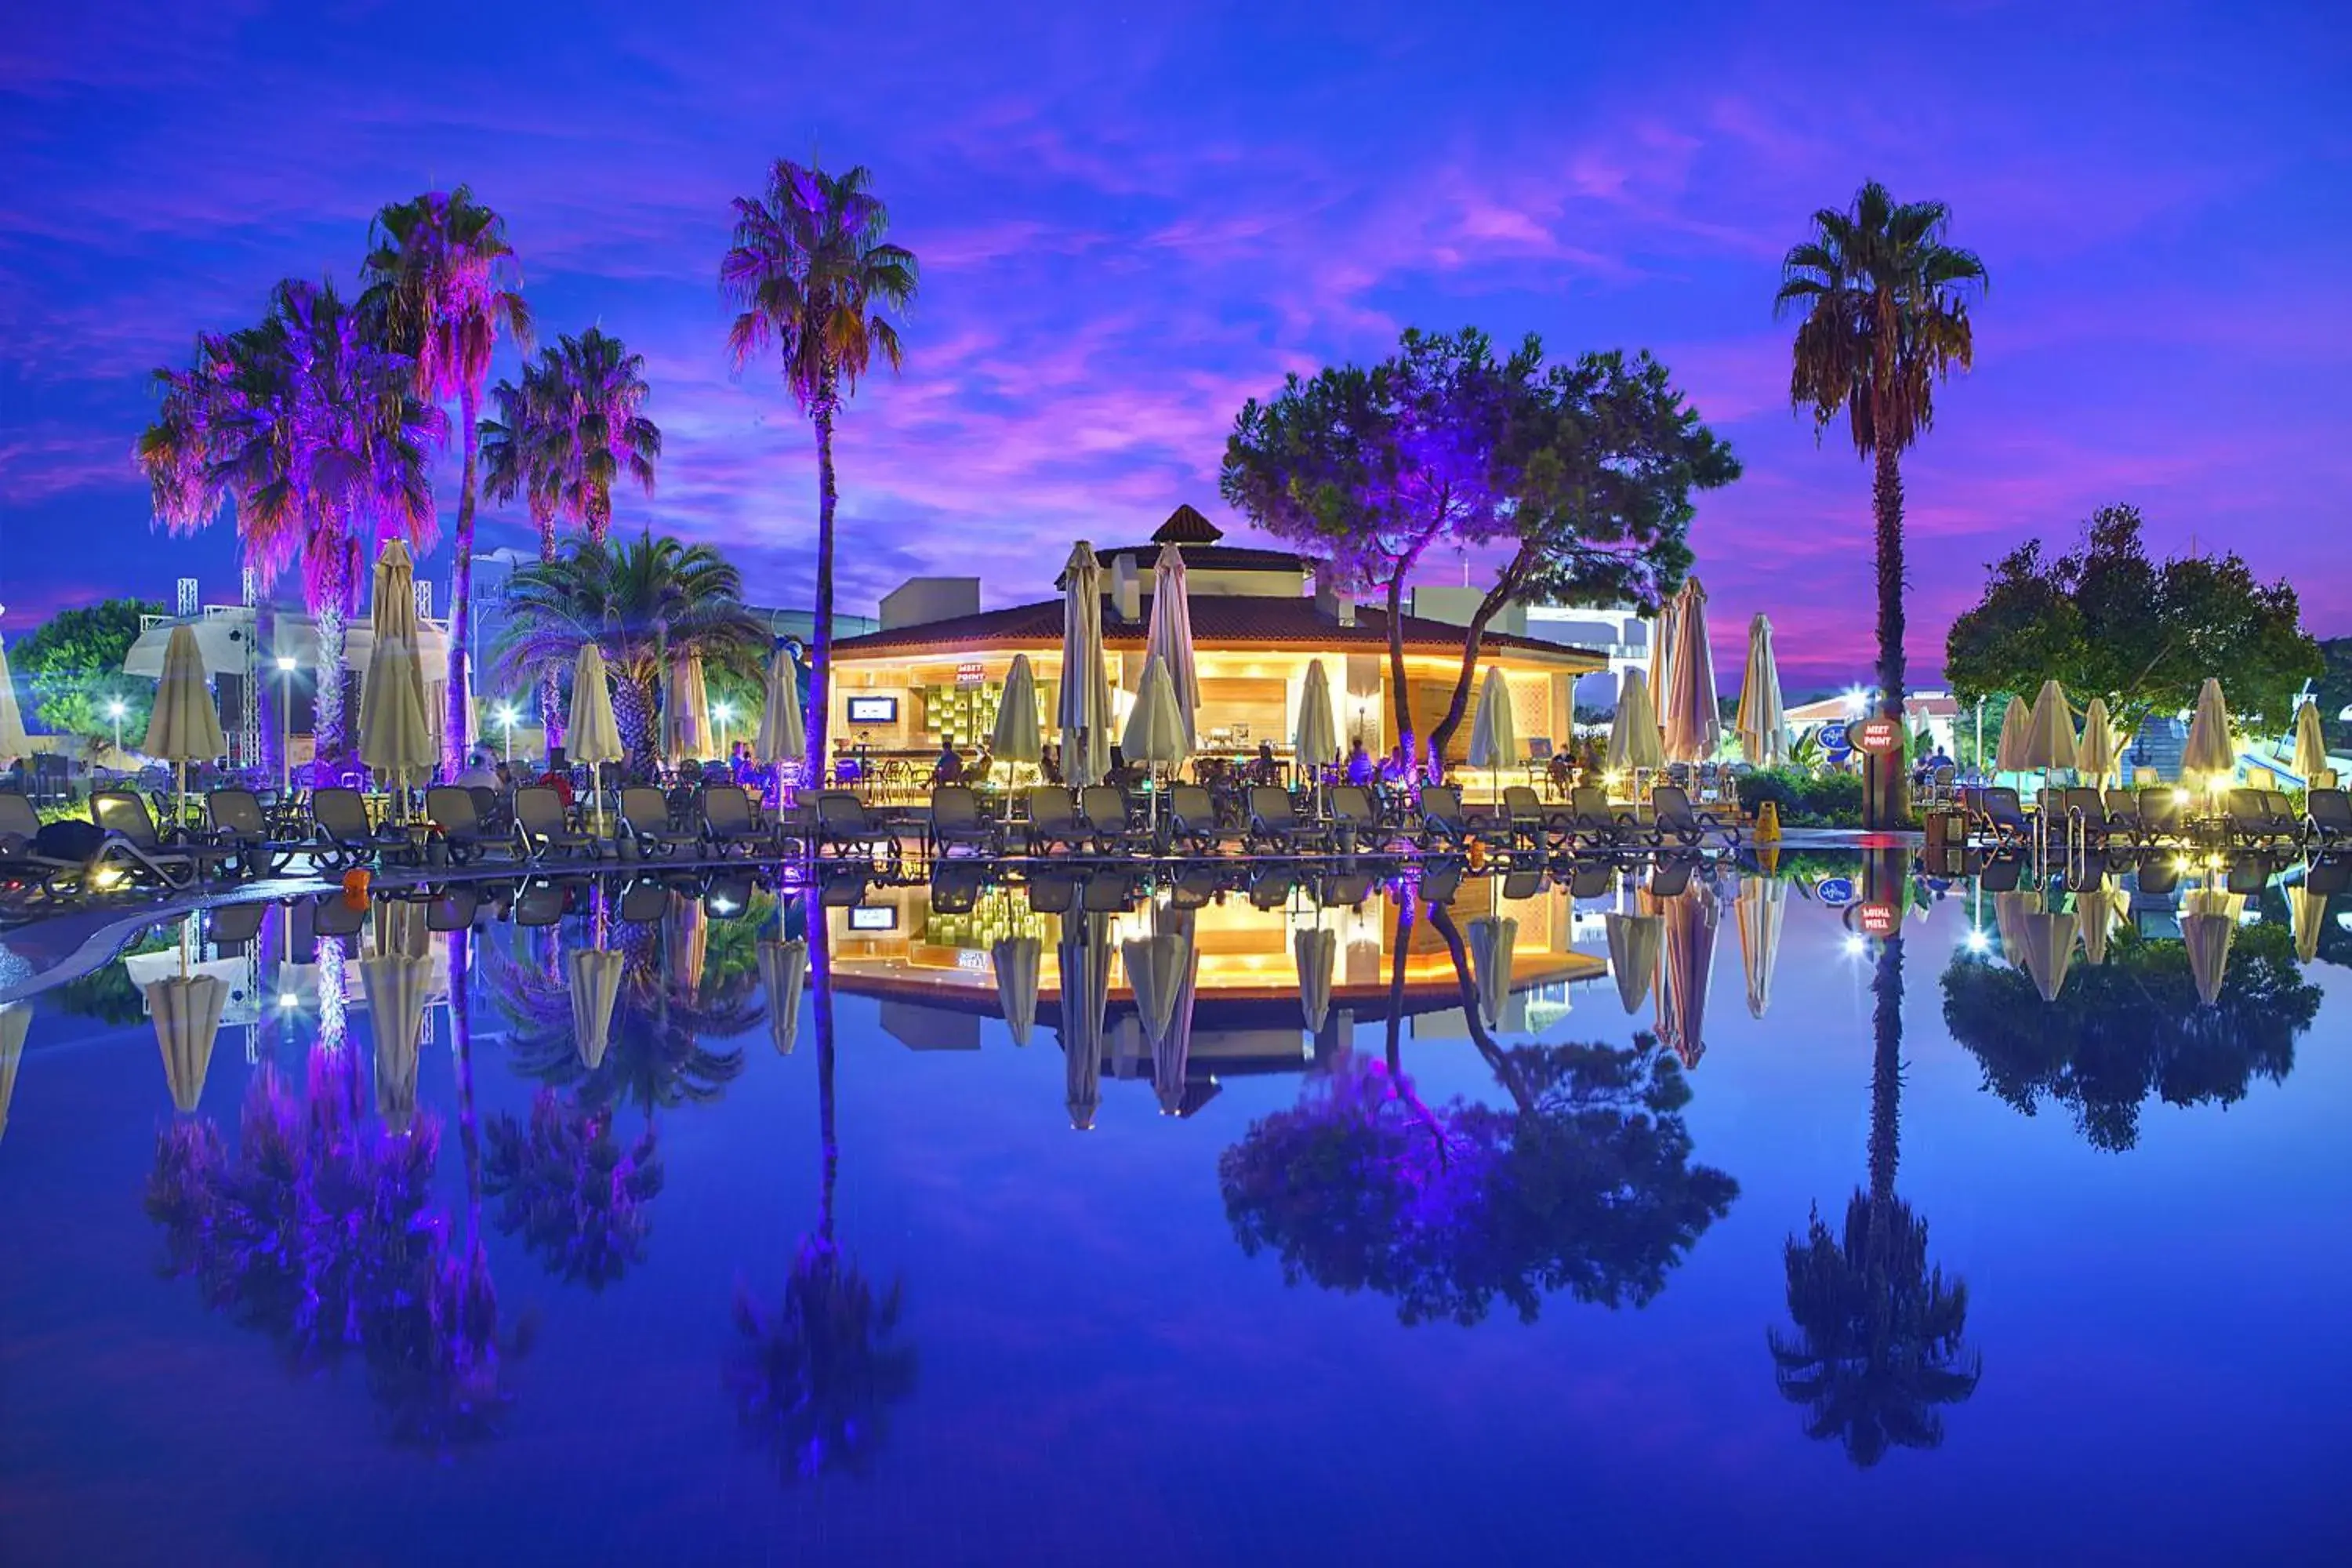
<point>1335,601</point>
<point>1125,588</point>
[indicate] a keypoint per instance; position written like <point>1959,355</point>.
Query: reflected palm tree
<point>1879,1348</point>
<point>814,1374</point>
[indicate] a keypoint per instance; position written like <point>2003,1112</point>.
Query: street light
<point>506,717</point>
<point>286,719</point>
<point>722,711</point>
<point>115,708</point>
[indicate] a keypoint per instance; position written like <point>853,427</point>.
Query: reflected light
<point>1976,941</point>
<point>1854,946</point>
<point>288,999</point>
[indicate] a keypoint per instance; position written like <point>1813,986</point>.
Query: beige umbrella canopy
<point>2049,740</point>
<point>1162,969</point>
<point>783,974</point>
<point>1633,740</point>
<point>395,725</point>
<point>2310,745</point>
<point>1016,736</point>
<point>1494,728</point>
<point>1316,950</point>
<point>14,742</point>
<point>1761,722</point>
<point>1155,727</point>
<point>396,986</point>
<point>2008,756</point>
<point>1634,944</point>
<point>2306,913</point>
<point>1316,739</point>
<point>185,726</point>
<point>2098,913</point>
<point>2211,757</point>
<point>1691,716</point>
<point>590,733</point>
<point>1016,960</point>
<point>1685,960</point>
<point>1083,956</point>
<point>1661,648</point>
<point>186,1011</point>
<point>1494,942</point>
<point>685,710</point>
<point>782,735</point>
<point>1169,637</point>
<point>15,1018</point>
<point>1085,714</point>
<point>2048,938</point>
<point>1761,907</point>
<point>686,947</point>
<point>2009,912</point>
<point>596,983</point>
<point>2209,923</point>
<point>2096,755</point>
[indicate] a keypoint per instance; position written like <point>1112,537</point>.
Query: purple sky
<point>1132,217</point>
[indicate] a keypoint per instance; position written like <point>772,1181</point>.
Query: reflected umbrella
<point>187,1014</point>
<point>1685,967</point>
<point>394,983</point>
<point>1083,958</point>
<point>1316,951</point>
<point>1017,961</point>
<point>1494,942</point>
<point>2208,921</point>
<point>594,990</point>
<point>783,971</point>
<point>15,1018</point>
<point>1635,940</point>
<point>1761,906</point>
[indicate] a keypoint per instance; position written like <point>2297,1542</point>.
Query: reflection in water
<point>1877,1347</point>
<point>814,1374</point>
<point>2134,1025</point>
<point>1583,1184</point>
<point>569,1188</point>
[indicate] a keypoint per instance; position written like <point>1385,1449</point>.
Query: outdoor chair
<point>644,901</point>
<point>1356,819</point>
<point>333,915</point>
<point>1054,819</point>
<point>2003,816</point>
<point>647,822</point>
<point>1673,817</point>
<point>1195,822</point>
<point>1052,893</point>
<point>957,819</point>
<point>2158,875</point>
<point>2122,808</point>
<point>21,862</point>
<point>134,842</point>
<point>955,889</point>
<point>2328,816</point>
<point>1593,817</point>
<point>344,835</point>
<point>1103,810</point>
<point>541,830</point>
<point>728,824</point>
<point>2251,820</point>
<point>457,820</point>
<point>2002,873</point>
<point>1671,877</point>
<point>1590,879</point>
<point>1522,820</point>
<point>2160,814</point>
<point>1275,824</point>
<point>454,911</point>
<point>844,824</point>
<point>1442,820</point>
<point>239,825</point>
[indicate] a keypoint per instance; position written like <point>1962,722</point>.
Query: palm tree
<point>523,454</point>
<point>440,278</point>
<point>810,270</point>
<point>642,604</point>
<point>1886,317</point>
<point>313,428</point>
<point>598,393</point>
<point>1879,1342</point>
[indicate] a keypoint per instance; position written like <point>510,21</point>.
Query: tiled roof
<point>1219,621</point>
<point>1204,558</point>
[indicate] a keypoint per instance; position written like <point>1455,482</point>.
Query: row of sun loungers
<point>2158,816</point>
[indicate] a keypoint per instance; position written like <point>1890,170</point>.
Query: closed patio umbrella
<point>589,735</point>
<point>685,710</point>
<point>1169,637</point>
<point>394,983</point>
<point>15,1018</point>
<point>1161,970</point>
<point>1633,741</point>
<point>1016,960</point>
<point>2310,745</point>
<point>2009,911</point>
<point>2306,913</point>
<point>1661,648</point>
<point>2210,756</point>
<point>1493,729</point>
<point>14,742</point>
<point>2208,923</point>
<point>595,982</point>
<point>1155,733</point>
<point>2097,913</point>
<point>1316,951</point>
<point>685,943</point>
<point>1316,739</point>
<point>783,972</point>
<point>186,1010</point>
<point>185,726</point>
<point>1016,736</point>
<point>1761,722</point>
<point>2048,938</point>
<point>1085,711</point>
<point>1634,944</point>
<point>1761,909</point>
<point>1494,942</point>
<point>1685,960</point>
<point>2008,756</point>
<point>2049,740</point>
<point>1692,718</point>
<point>2097,756</point>
<point>1083,958</point>
<point>782,735</point>
<point>396,723</point>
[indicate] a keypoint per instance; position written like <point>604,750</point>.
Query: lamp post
<point>115,708</point>
<point>507,722</point>
<point>286,723</point>
<point>722,711</point>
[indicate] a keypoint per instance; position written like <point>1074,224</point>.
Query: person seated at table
<point>560,783</point>
<point>948,768</point>
<point>1049,763</point>
<point>1265,771</point>
<point>740,765</point>
<point>1360,769</point>
<point>480,772</point>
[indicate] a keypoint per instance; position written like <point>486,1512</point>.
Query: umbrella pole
<point>180,788</point>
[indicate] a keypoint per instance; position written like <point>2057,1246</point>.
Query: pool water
<point>1656,1215</point>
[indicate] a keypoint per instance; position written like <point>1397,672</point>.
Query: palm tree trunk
<point>326,711</point>
<point>600,514</point>
<point>458,720</point>
<point>551,694</point>
<point>1887,805</point>
<point>1886,1067</point>
<point>821,978</point>
<point>461,1053</point>
<point>820,708</point>
<point>633,715</point>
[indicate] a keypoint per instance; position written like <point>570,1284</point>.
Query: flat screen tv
<point>874,711</point>
<point>874,916</point>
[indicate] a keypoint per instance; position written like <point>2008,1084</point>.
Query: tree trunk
<point>599,517</point>
<point>455,728</point>
<point>1887,806</point>
<point>461,1056</point>
<point>551,694</point>
<point>1396,985</point>
<point>1886,1067</point>
<point>1442,736</point>
<point>1400,695</point>
<point>1441,921</point>
<point>326,721</point>
<point>820,702</point>
<point>633,715</point>
<point>821,1006</point>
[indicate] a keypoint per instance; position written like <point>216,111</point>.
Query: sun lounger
<point>1108,893</point>
<point>1441,880</point>
<point>1522,821</point>
<point>543,832</point>
<point>1592,879</point>
<point>1194,822</point>
<point>1522,883</point>
<point>1275,825</point>
<point>1103,809</point>
<point>135,844</point>
<point>1671,877</point>
<point>2002,817</point>
<point>1673,817</point>
<point>1346,892</point>
<point>957,819</point>
<point>2327,876</point>
<point>344,835</point>
<point>2282,810</point>
<point>642,902</point>
<point>333,915</point>
<point>1592,819</point>
<point>1052,893</point>
<point>239,825</point>
<point>1356,819</point>
<point>2002,873</point>
<point>2251,820</point>
<point>456,819</point>
<point>727,823</point>
<point>646,822</point>
<point>2248,874</point>
<point>542,901</point>
<point>1053,822</point>
<point>20,862</point>
<point>2122,808</point>
<point>842,888</point>
<point>727,896</point>
<point>1442,818</point>
<point>844,824</point>
<point>2158,874</point>
<point>454,911</point>
<point>2160,814</point>
<point>955,889</point>
<point>2328,816</point>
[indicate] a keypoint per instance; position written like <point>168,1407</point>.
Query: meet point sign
<point>1877,736</point>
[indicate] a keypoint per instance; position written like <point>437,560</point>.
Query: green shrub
<point>1804,799</point>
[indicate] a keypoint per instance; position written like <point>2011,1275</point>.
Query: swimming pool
<point>1656,1213</point>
